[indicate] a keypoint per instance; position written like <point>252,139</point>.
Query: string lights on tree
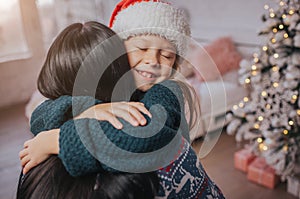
<point>270,116</point>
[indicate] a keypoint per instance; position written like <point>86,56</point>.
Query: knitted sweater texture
<point>77,156</point>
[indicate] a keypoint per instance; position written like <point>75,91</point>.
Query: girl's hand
<point>39,148</point>
<point>129,111</point>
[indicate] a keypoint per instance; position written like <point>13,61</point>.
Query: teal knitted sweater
<point>83,149</point>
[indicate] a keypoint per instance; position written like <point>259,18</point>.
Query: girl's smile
<point>147,75</point>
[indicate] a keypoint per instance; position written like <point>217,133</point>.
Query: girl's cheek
<point>132,60</point>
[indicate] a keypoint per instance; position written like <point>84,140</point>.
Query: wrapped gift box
<point>293,185</point>
<point>242,159</point>
<point>261,173</point>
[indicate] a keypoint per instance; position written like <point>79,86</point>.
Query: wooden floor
<point>218,163</point>
<point>14,130</point>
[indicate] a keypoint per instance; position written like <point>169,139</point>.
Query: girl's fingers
<point>30,165</point>
<point>25,160</point>
<point>116,123</point>
<point>23,153</point>
<point>131,112</point>
<point>136,115</point>
<point>141,107</point>
<point>25,145</point>
<point>112,119</point>
<point>127,116</point>
<point>24,171</point>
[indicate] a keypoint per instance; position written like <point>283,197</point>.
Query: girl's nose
<point>151,57</point>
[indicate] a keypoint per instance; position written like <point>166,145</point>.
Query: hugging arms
<point>80,159</point>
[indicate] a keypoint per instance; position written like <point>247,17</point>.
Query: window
<point>13,43</point>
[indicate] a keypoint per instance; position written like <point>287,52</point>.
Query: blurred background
<point>226,28</point>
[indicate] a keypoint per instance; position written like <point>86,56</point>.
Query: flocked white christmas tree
<point>270,116</point>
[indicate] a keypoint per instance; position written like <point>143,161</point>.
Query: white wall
<point>240,19</point>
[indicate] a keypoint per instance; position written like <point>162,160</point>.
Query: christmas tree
<point>269,118</point>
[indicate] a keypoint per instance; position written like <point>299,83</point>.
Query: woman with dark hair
<point>80,52</point>
<point>50,180</point>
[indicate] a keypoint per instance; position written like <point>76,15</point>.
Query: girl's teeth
<point>148,75</point>
<point>145,74</point>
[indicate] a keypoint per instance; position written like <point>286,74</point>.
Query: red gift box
<point>242,159</point>
<point>263,174</point>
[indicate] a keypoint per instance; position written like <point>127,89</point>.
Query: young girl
<point>65,58</point>
<point>153,52</point>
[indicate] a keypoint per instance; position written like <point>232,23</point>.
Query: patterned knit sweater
<point>85,142</point>
<point>185,178</point>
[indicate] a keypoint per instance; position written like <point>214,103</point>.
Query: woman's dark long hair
<point>50,180</point>
<point>126,185</point>
<point>88,57</point>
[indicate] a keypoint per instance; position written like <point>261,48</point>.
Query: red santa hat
<point>139,17</point>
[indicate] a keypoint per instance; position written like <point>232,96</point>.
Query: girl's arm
<point>79,158</point>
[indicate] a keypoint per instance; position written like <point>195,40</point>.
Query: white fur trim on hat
<point>154,18</point>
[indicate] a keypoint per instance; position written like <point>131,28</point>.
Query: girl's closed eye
<point>142,48</point>
<point>167,54</point>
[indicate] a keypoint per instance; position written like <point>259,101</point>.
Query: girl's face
<point>152,59</point>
